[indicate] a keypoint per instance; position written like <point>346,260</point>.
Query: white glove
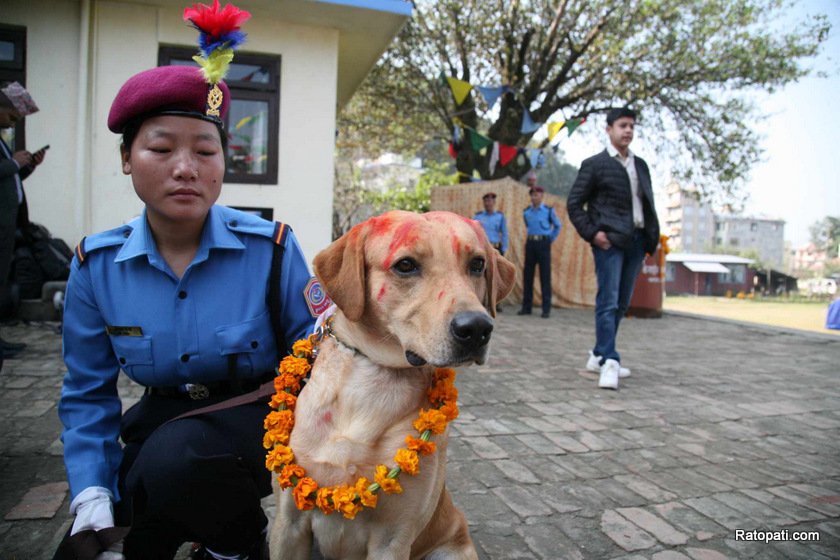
<point>94,509</point>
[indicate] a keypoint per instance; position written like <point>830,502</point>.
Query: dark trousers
<point>537,252</point>
<point>198,479</point>
<point>616,270</point>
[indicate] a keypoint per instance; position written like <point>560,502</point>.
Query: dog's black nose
<point>471,329</point>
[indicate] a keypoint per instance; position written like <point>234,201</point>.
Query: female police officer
<point>177,299</point>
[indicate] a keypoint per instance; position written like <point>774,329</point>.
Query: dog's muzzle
<point>471,330</point>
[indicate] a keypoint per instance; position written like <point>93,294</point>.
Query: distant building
<point>764,235</point>
<point>808,260</point>
<point>689,223</point>
<point>704,274</point>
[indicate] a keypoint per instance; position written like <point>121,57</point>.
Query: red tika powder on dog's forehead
<point>406,235</point>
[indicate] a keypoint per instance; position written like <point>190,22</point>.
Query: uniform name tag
<point>124,331</point>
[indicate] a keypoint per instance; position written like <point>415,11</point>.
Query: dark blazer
<point>603,186</point>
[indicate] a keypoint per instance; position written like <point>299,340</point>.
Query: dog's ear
<point>341,269</point>
<point>500,275</point>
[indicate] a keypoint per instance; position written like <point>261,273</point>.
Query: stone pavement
<point>721,428</point>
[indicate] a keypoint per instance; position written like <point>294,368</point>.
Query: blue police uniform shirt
<point>494,226</point>
<point>166,331</point>
<point>542,221</point>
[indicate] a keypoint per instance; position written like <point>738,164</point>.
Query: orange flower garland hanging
<point>349,500</point>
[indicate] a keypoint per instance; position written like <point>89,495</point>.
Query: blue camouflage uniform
<point>543,227</point>
<point>495,227</point>
<point>126,309</point>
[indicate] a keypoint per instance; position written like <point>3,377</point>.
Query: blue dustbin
<point>832,321</point>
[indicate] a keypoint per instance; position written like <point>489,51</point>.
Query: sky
<point>799,177</point>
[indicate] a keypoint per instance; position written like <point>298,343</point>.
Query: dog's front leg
<point>291,534</point>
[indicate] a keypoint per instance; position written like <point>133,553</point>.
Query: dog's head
<point>424,285</point>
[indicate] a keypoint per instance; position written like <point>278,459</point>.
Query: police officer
<point>493,222</point>
<point>183,299</point>
<point>543,227</point>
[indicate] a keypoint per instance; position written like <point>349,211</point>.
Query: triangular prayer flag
<point>534,156</point>
<point>456,135</point>
<point>477,141</point>
<point>243,121</point>
<point>460,89</point>
<point>573,124</point>
<point>494,158</point>
<point>452,151</point>
<point>528,124</point>
<point>553,128</point>
<point>506,154</point>
<point>490,94</point>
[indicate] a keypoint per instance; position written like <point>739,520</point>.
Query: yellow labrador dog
<point>414,292</point>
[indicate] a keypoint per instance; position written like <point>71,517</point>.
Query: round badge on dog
<point>317,300</point>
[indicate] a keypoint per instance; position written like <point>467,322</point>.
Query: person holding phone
<point>15,104</point>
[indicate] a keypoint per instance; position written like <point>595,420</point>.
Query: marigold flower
<point>280,420</point>
<point>408,461</point>
<point>421,446</point>
<point>323,499</point>
<point>388,485</point>
<point>433,420</point>
<point>446,375</point>
<point>366,497</point>
<point>297,367</point>
<point>450,410</point>
<point>287,473</point>
<point>302,491</point>
<point>273,437</point>
<point>278,457</point>
<point>344,500</point>
<point>282,397</point>
<point>443,393</point>
<point>302,348</point>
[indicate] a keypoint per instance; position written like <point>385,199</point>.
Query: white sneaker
<point>609,375</point>
<point>594,364</point>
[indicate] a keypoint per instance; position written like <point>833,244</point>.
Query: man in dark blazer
<point>15,104</point>
<point>611,206</point>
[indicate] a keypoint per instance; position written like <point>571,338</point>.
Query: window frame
<point>15,71</point>
<point>247,91</point>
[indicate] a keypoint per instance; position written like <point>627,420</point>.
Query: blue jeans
<point>616,270</point>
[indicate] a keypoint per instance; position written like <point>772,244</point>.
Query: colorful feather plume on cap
<point>219,35</point>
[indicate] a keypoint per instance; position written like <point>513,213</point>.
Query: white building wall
<point>124,40</point>
<point>52,59</point>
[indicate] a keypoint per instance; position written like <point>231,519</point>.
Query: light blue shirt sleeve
<point>505,238</point>
<point>555,223</point>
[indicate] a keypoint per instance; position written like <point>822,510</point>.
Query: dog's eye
<point>406,267</point>
<point>477,266</point>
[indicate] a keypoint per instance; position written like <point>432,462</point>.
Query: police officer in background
<point>185,300</point>
<point>495,226</point>
<point>493,222</point>
<point>543,227</point>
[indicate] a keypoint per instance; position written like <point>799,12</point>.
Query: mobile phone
<point>44,149</point>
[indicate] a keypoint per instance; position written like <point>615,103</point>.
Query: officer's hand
<point>22,158</point>
<point>601,241</point>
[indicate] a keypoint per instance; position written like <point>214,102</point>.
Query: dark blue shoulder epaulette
<point>109,238</point>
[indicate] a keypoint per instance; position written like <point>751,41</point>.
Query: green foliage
<point>825,235</point>
<point>689,66</point>
<point>416,199</point>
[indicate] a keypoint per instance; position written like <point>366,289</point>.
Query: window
<point>253,120</point>
<point>13,69</point>
<point>754,226</point>
<point>670,272</point>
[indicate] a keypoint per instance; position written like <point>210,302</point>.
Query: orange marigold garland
<point>349,500</point>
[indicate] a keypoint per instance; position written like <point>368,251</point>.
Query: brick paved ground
<point>722,427</point>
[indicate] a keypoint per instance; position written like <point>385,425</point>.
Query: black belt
<point>538,237</point>
<point>201,391</point>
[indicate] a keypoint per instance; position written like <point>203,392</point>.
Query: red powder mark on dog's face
<point>404,237</point>
<point>327,418</point>
<point>440,295</point>
<point>456,243</point>
<point>380,225</point>
<point>381,293</point>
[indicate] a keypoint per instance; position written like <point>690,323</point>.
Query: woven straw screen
<point>573,281</point>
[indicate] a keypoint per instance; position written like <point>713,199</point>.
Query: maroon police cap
<point>180,90</point>
<point>536,188</point>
